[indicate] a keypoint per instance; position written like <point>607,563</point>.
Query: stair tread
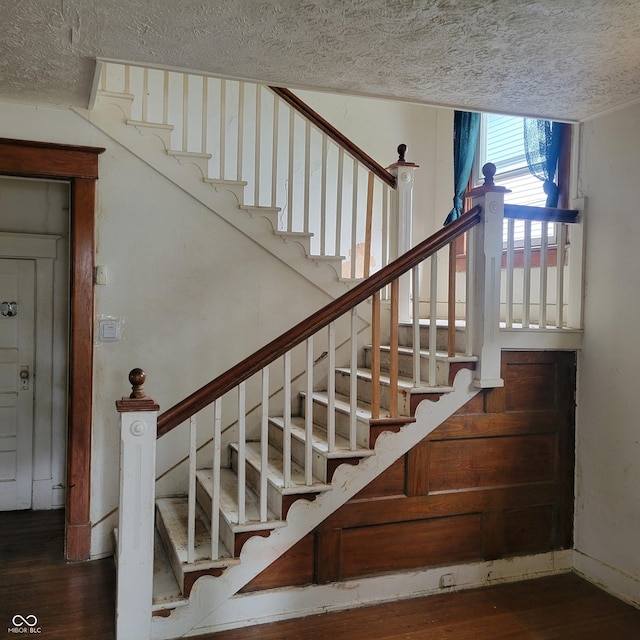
<point>440,355</point>
<point>404,384</point>
<point>342,404</point>
<point>275,474</point>
<point>229,502</point>
<point>174,514</point>
<point>319,440</point>
<point>188,154</point>
<point>151,125</point>
<point>440,322</point>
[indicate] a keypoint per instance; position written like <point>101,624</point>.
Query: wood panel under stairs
<point>172,512</point>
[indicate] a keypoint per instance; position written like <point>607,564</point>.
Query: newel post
<point>486,281</point>
<point>138,418</point>
<point>401,227</point>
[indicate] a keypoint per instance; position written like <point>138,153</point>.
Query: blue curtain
<point>466,126</point>
<point>542,143</point>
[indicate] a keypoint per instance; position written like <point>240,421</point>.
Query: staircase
<point>172,512</point>
<point>344,411</point>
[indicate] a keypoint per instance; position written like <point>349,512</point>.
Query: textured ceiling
<point>564,59</point>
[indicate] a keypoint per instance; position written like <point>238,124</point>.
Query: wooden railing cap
<point>137,400</point>
<point>489,186</point>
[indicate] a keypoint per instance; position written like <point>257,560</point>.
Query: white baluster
<point>386,194</point>
<point>274,151</point>
<point>185,111</point>
<point>307,173</point>
<point>433,315</point>
<point>290,173</point>
<point>562,243</point>
<point>353,381</point>
<point>323,199</point>
<point>526,277</point>
<point>264,445</point>
<point>354,221</point>
<point>257,148</point>
<point>415,324</point>
<point>242,450</point>
<point>223,129</point>
<point>239,159</point>
<point>469,316</point>
<point>205,113</point>
<point>165,97</point>
<point>215,478</point>
<point>339,189</point>
<point>544,247</point>
<point>308,416</point>
<point>191,518</point>
<point>510,271</point>
<point>145,95</point>
<point>331,388</point>
<point>286,436</point>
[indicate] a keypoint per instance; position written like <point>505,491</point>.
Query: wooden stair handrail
<point>215,389</point>
<point>542,214</point>
<point>339,138</point>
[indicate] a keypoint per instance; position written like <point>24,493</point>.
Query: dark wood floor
<point>70,601</point>
<point>76,601</point>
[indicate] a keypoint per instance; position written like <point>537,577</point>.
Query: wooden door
<point>17,339</point>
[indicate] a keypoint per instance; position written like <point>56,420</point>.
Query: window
<point>501,141</point>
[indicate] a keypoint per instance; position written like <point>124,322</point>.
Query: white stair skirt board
<point>297,602</point>
<point>150,149</point>
<point>304,516</point>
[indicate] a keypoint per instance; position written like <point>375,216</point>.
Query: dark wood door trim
<point>79,167</point>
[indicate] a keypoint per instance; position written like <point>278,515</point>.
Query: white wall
<point>607,525</point>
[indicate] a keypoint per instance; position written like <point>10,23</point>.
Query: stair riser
<point>405,366</point>
<point>204,499</point>
<point>405,338</point>
<point>298,452</point>
<point>274,497</point>
<point>342,422</point>
<point>364,392</point>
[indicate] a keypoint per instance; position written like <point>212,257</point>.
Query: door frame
<point>78,166</point>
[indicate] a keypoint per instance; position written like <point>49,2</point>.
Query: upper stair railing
<point>287,157</point>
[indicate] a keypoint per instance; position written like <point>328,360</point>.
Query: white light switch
<point>109,330</point>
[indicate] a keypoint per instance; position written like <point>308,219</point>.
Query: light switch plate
<point>110,330</point>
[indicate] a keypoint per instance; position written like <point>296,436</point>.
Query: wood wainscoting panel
<point>479,463</point>
<point>495,480</point>
<point>411,544</point>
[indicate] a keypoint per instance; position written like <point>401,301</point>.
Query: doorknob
<point>8,309</point>
<point>24,379</point>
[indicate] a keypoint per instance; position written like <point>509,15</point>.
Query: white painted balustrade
<point>246,134</point>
